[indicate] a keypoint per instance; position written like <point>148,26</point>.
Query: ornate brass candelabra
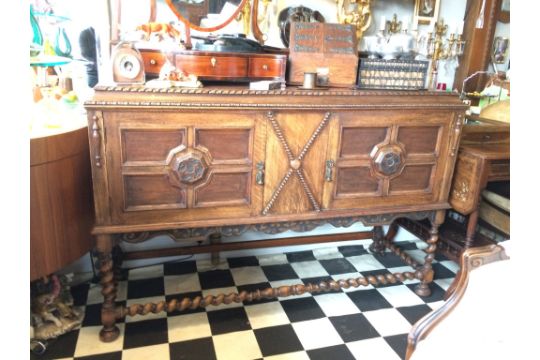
<point>359,16</point>
<point>439,48</point>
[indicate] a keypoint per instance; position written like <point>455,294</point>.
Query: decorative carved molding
<point>210,91</point>
<point>388,159</point>
<point>96,137</point>
<point>275,228</point>
<point>295,164</point>
<point>461,190</point>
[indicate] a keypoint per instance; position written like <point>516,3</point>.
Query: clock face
<point>129,66</point>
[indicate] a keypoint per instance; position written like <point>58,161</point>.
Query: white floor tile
<point>176,284</point>
<point>314,334</point>
<point>241,345</point>
<point>267,314</point>
<point>153,352</point>
<point>150,315</point>
<point>451,265</point>
<point>216,292</point>
<point>327,253</point>
<point>365,262</point>
<point>299,355</point>
<point>208,265</point>
<point>388,322</point>
<point>418,255</point>
<point>436,305</point>
<point>307,269</point>
<point>188,327</point>
<point>376,348</point>
<point>273,259</point>
<point>444,283</point>
<point>400,295</point>
<point>248,275</point>
<point>146,272</point>
<point>336,304</point>
<point>88,342</point>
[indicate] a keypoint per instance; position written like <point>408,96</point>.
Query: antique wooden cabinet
<point>225,160</point>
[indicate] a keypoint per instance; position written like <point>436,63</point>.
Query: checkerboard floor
<point>364,323</point>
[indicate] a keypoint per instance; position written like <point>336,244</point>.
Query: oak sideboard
<point>224,160</point>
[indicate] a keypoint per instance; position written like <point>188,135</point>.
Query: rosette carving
<point>387,160</point>
<point>188,167</point>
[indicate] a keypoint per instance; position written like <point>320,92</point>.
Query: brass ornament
<point>359,16</point>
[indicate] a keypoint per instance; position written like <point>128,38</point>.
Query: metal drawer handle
<point>259,178</point>
<point>265,67</point>
<point>153,62</point>
<point>213,61</point>
<point>328,173</point>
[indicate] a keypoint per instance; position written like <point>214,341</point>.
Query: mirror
<point>206,15</point>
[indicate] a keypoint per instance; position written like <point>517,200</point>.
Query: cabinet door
<point>387,160</point>
<point>183,166</point>
<point>295,150</point>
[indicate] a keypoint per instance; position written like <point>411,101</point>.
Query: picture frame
<point>426,11</point>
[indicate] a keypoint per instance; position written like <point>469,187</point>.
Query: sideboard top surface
<point>292,97</point>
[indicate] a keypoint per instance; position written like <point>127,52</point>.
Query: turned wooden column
<point>378,245</point>
<point>110,331</point>
<point>426,270</point>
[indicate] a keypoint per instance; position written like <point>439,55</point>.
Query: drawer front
<point>216,67</point>
<point>267,68</point>
<point>499,170</point>
<point>382,159</point>
<point>153,61</point>
<point>164,167</point>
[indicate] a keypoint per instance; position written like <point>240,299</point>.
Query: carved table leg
<point>426,270</point>
<point>117,258</point>
<point>392,231</point>
<point>110,331</point>
<point>377,246</point>
<point>215,239</point>
<point>471,229</point>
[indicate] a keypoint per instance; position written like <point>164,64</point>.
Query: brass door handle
<point>153,62</point>
<point>328,172</point>
<point>259,178</point>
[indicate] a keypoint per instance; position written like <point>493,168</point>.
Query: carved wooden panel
<point>381,159</point>
<point>144,192</point>
<point>295,165</point>
<point>466,184</point>
<point>177,165</point>
<point>149,145</point>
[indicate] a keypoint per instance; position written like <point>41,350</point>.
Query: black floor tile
<point>442,272</point>
<point>338,266</point>
<point>180,268</point>
<point>216,279</point>
<point>228,320</point>
<point>92,315</point>
<point>414,313</point>
<point>243,261</point>
<point>145,288</point>
<point>179,297</point>
<point>352,250</point>
<point>279,272</point>
<point>117,355</point>
<point>440,257</point>
<point>300,256</point>
<point>437,293</point>
<point>80,294</point>
<point>368,300</point>
<point>62,346</point>
<point>406,245</point>
<point>353,327</point>
<point>302,309</point>
<point>390,260</point>
<point>317,281</point>
<point>198,349</point>
<point>254,287</point>
<point>277,340</point>
<point>398,343</point>
<point>145,333</point>
<point>340,352</point>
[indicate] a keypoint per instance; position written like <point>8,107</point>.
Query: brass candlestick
<point>439,48</point>
<point>359,16</point>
